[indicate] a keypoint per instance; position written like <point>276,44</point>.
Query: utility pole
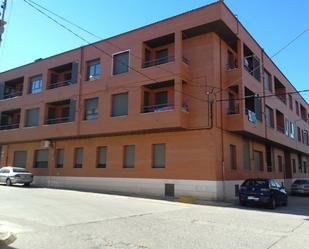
<point>2,22</point>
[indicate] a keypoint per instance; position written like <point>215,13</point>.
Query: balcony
<point>13,88</point>
<point>60,112</point>
<point>10,120</point>
<point>159,51</point>
<point>63,75</point>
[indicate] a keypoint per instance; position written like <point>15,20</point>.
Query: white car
<point>12,175</point>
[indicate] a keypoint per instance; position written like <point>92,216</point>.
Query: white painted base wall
<point>210,190</point>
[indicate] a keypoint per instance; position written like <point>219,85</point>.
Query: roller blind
<point>158,155</point>
<point>120,104</point>
<point>32,117</point>
<point>121,63</point>
<point>129,156</point>
<point>78,157</point>
<point>20,159</point>
<point>102,151</point>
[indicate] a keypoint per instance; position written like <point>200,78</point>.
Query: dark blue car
<point>263,191</point>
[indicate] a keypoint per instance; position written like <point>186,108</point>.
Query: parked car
<point>12,175</point>
<point>263,191</point>
<point>300,187</point>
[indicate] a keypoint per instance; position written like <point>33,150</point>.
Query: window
<point>120,104</point>
<point>306,137</point>
<point>269,117</point>
<point>161,98</point>
<point>294,165</point>
<point>305,167</point>
<point>233,156</point>
<point>280,163</point>
<point>32,117</point>
<point>20,159</point>
<point>129,156</point>
<point>161,56</point>
<point>292,130</point>
<point>252,63</point>
<point>78,158</point>
<point>101,157</point>
<point>231,60</point>
<point>280,121</point>
<point>36,84</point>
<point>297,108</point>
<point>59,158</point>
<point>93,70</point>
<point>246,154</point>
<point>258,160</point>
<point>286,127</point>
<point>267,81</point>
<point>41,159</point>
<point>91,109</point>
<point>290,101</point>
<point>158,159</point>
<point>121,63</point>
<point>280,90</point>
<point>299,134</point>
<point>269,158</point>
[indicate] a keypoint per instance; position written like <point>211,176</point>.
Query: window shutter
<point>74,72</point>
<point>257,107</point>
<point>60,156</point>
<point>102,152</point>
<point>121,63</point>
<point>120,104</point>
<point>159,155</point>
<point>79,156</point>
<point>1,90</point>
<point>72,110</point>
<point>42,155</point>
<point>129,156</point>
<point>32,117</point>
<point>20,159</point>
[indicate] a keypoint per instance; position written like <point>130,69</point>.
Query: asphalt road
<point>52,219</point>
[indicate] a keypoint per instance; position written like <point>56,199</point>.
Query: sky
<point>273,23</point>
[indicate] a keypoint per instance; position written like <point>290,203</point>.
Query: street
<point>50,219</point>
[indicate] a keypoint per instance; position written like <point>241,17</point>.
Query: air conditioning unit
<point>45,144</point>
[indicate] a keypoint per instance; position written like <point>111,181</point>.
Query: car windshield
<point>301,182</point>
<point>20,171</point>
<point>256,183</point>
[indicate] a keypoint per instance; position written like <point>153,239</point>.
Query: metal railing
<point>9,126</point>
<point>59,84</point>
<point>58,120</point>
<point>158,108</point>
<point>13,95</point>
<point>163,60</point>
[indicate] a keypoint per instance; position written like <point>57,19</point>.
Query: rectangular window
<point>269,158</point>
<point>286,127</point>
<point>267,81</point>
<point>299,134</point>
<point>121,63</point>
<point>292,130</point>
<point>233,156</point>
<point>59,158</point>
<point>91,109</point>
<point>120,104</point>
<point>158,159</point>
<point>129,156</point>
<point>297,108</point>
<point>20,159</point>
<point>162,56</point>
<point>306,137</point>
<point>246,154</point>
<point>36,84</point>
<point>101,157</point>
<point>294,165</point>
<point>269,117</point>
<point>280,165</point>
<point>161,98</point>
<point>41,159</point>
<point>78,158</point>
<point>258,160</point>
<point>93,70</point>
<point>290,101</point>
<point>32,117</point>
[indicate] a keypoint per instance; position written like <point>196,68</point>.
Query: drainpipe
<point>221,124</point>
<point>80,89</point>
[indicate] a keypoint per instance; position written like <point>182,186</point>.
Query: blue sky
<point>273,23</point>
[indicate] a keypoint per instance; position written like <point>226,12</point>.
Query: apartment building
<point>190,105</point>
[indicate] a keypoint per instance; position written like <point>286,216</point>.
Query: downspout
<point>80,89</point>
<point>221,124</point>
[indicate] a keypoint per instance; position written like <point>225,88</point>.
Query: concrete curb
<point>6,238</point>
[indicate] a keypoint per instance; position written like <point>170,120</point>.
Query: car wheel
<point>8,182</point>
<point>273,203</point>
<point>27,184</point>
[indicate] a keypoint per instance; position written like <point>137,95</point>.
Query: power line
<point>103,51</point>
